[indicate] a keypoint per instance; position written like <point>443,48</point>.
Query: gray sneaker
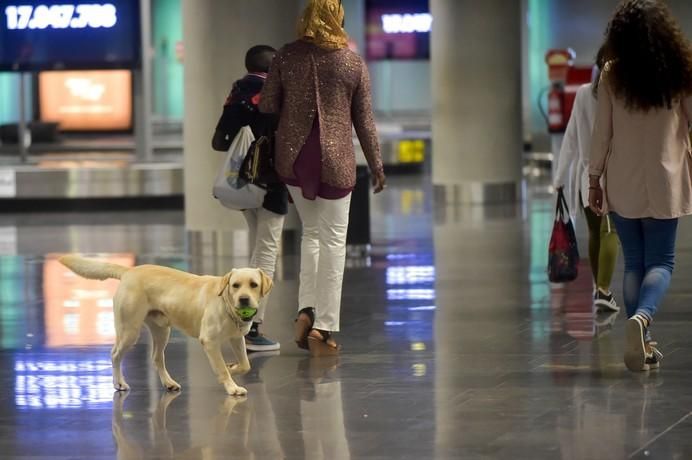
<point>260,342</point>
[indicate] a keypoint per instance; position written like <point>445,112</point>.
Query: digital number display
<point>69,35</point>
<point>20,17</point>
<point>407,23</point>
<point>398,29</point>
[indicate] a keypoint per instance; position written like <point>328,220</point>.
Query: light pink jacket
<point>645,157</point>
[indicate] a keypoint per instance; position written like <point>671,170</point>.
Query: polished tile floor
<point>455,347</point>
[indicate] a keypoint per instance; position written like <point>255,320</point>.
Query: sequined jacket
<point>644,158</point>
<point>307,81</point>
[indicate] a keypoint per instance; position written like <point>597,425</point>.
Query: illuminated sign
<point>397,29</point>
<point>70,16</point>
<point>99,100</point>
<point>412,151</point>
<point>40,35</point>
<point>407,23</point>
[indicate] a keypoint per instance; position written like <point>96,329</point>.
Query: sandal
<point>302,326</point>
<point>321,343</point>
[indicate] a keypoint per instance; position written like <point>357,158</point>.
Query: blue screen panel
<point>64,34</point>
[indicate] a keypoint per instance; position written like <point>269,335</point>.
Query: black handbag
<point>258,166</point>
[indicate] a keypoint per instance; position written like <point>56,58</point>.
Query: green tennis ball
<point>246,313</point>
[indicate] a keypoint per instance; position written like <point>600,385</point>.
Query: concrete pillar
<point>477,107</point>
<point>216,35</point>
<point>143,98</point>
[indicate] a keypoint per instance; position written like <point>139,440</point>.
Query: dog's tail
<point>93,269</point>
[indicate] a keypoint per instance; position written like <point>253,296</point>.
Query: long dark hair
<point>600,62</point>
<point>647,58</point>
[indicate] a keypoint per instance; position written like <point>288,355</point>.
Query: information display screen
<point>64,34</point>
<point>398,29</point>
<point>86,100</point>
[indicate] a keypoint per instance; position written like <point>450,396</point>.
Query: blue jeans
<point>648,246</point>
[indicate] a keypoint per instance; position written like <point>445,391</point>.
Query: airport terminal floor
<point>454,347</point>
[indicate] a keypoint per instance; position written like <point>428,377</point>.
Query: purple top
<point>308,170</point>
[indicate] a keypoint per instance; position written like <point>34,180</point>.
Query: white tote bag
<point>230,188</point>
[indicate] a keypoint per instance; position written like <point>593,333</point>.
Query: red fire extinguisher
<point>557,121</point>
<point>559,61</point>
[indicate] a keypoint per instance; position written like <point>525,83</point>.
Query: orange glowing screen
<point>78,311</point>
<point>91,100</point>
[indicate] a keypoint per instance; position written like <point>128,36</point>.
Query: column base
<point>478,193</point>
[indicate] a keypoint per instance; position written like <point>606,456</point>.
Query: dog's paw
<point>121,386</point>
<point>235,390</point>
<point>235,368</point>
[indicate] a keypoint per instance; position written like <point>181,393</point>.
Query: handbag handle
<point>561,208</point>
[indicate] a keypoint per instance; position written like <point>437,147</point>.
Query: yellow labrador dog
<point>204,307</point>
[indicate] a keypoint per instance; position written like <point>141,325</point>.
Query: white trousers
<point>265,238</point>
<point>322,256</point>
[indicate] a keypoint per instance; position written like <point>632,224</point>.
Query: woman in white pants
<point>321,89</point>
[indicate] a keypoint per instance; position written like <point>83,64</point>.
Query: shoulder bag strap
<point>561,209</point>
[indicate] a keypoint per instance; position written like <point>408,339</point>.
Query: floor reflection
<point>160,445</point>
<point>455,346</point>
<point>79,311</point>
<point>321,410</point>
<point>43,381</point>
<point>242,428</point>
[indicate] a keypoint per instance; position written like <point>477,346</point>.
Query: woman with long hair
<point>321,89</point>
<point>641,149</point>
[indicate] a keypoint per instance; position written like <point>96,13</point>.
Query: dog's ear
<point>225,281</point>
<point>267,283</point>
